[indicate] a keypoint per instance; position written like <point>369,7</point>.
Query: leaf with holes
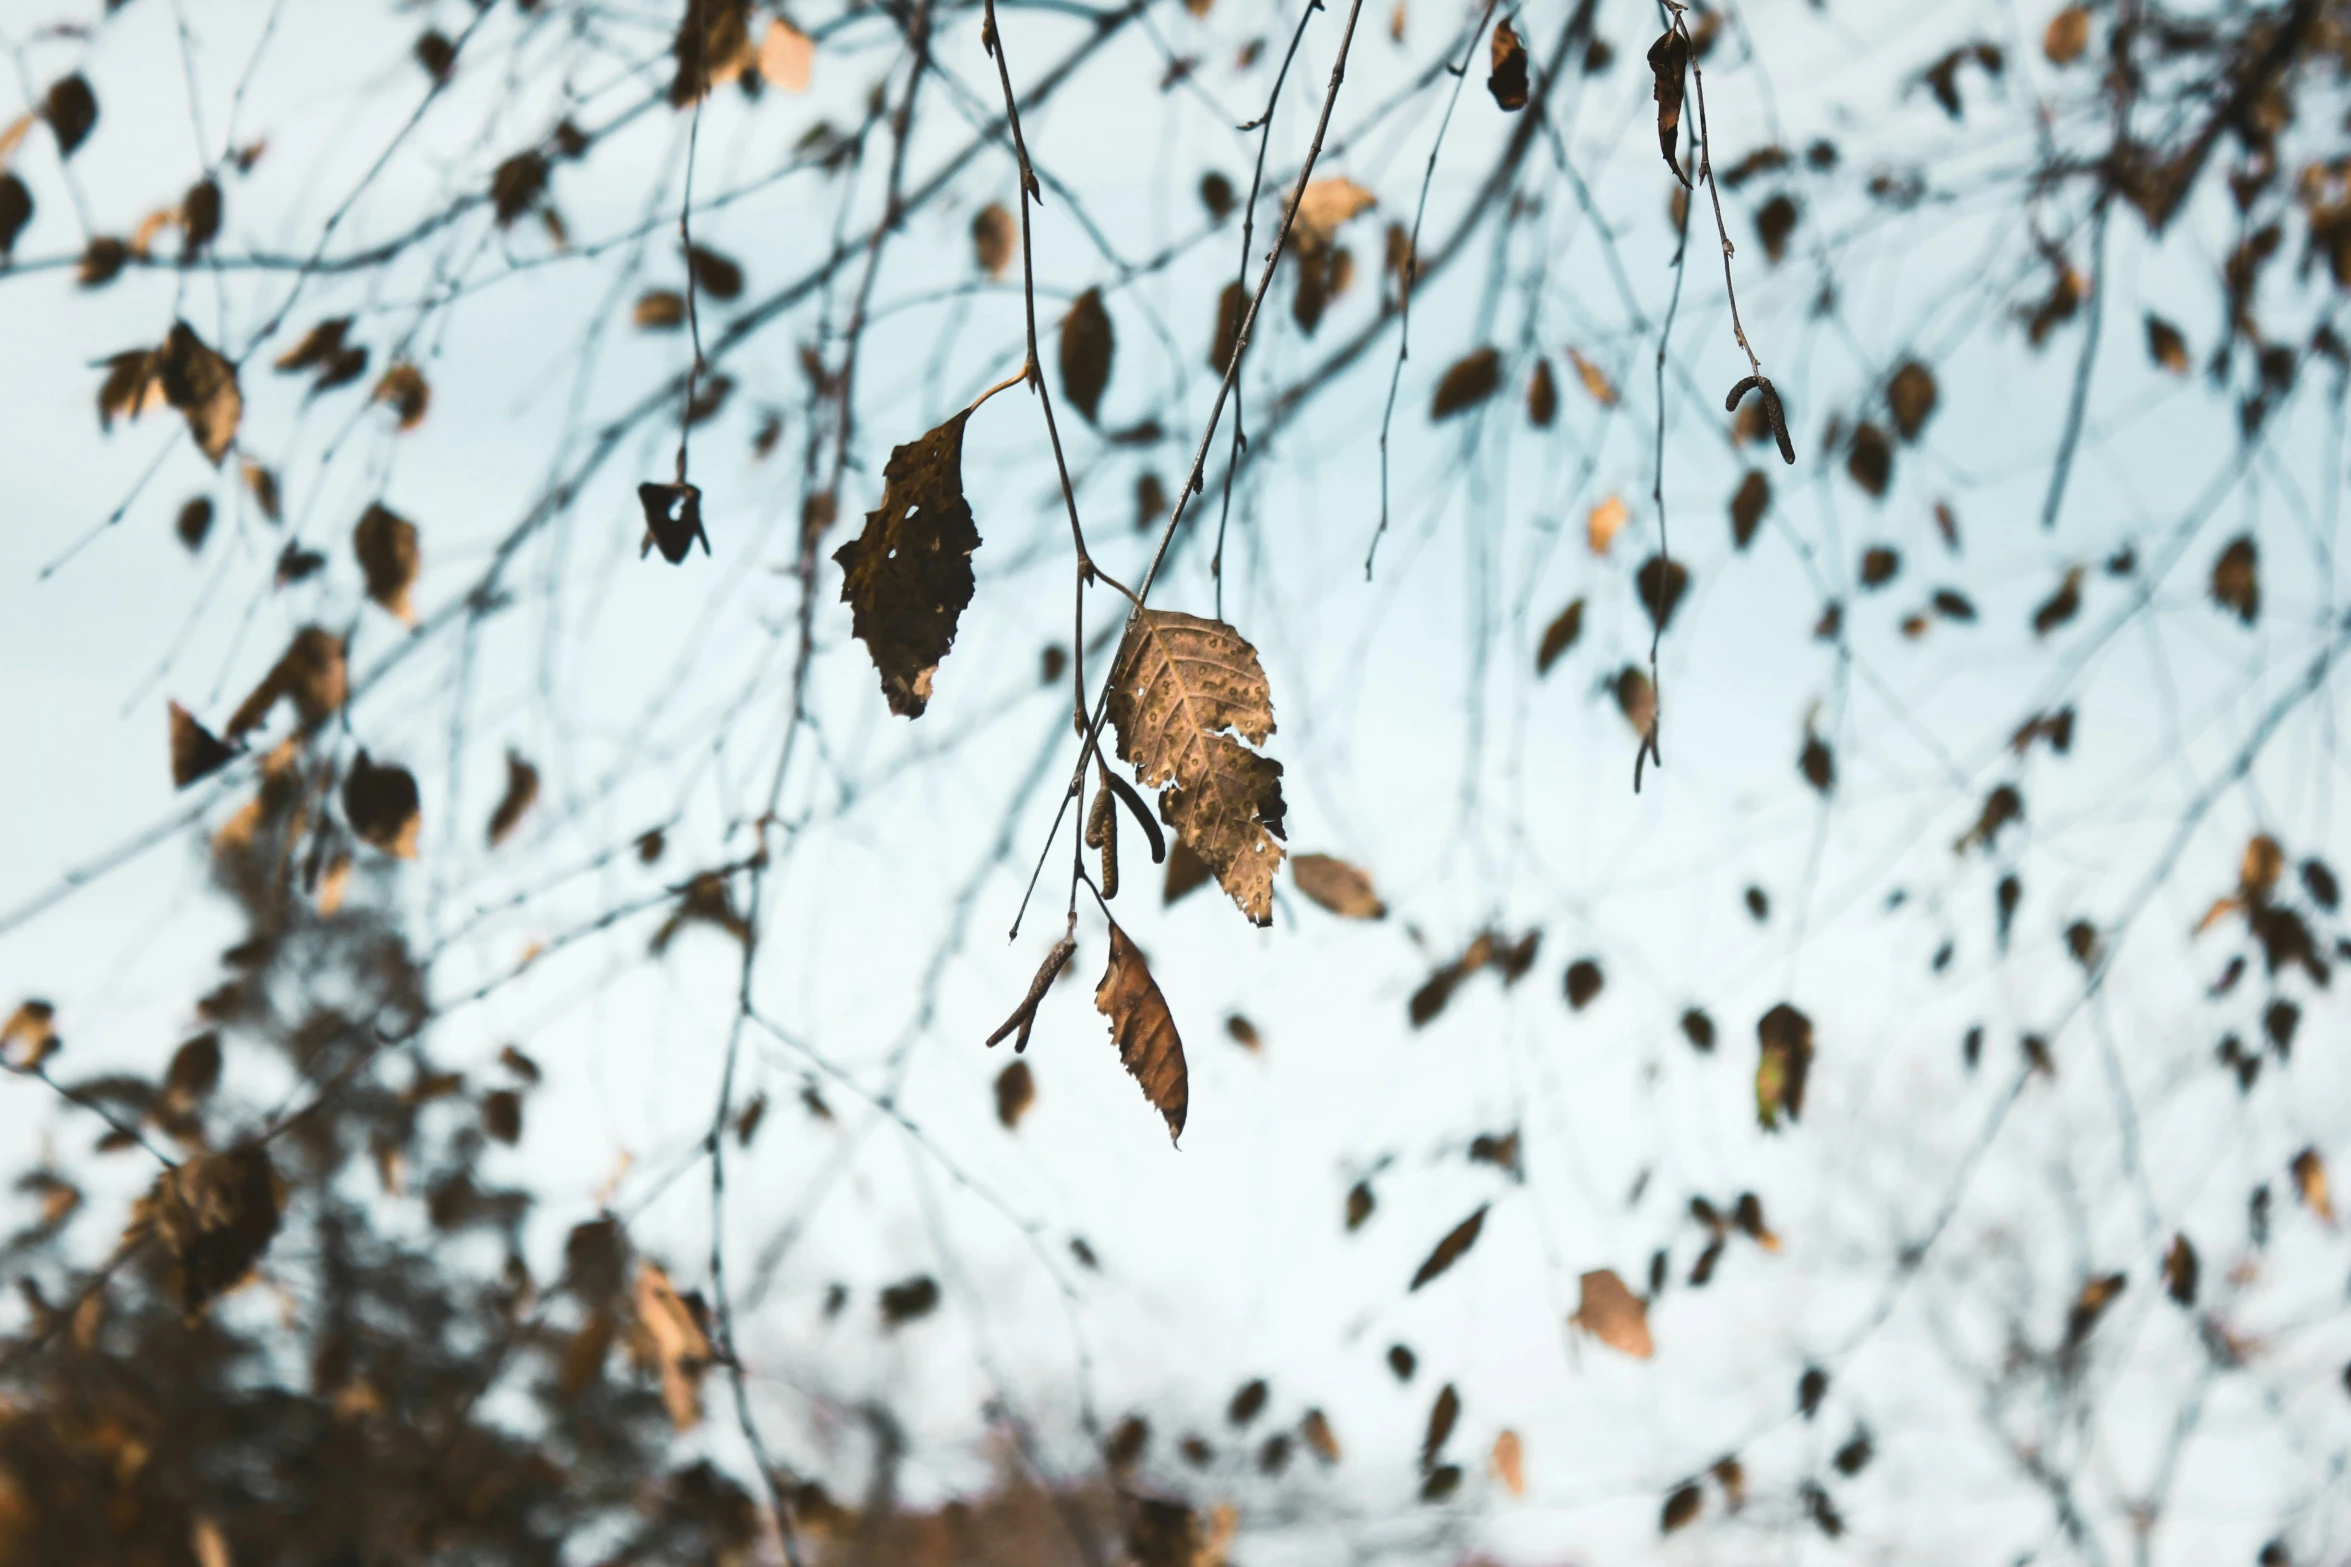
<point>907,578</point>
<point>1148,1045</point>
<point>1185,693</point>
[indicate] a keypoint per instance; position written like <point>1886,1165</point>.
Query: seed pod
<point>1108,813</point>
<point>1779,421</point>
<point>1098,821</point>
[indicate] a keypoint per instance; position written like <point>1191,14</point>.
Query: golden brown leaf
<point>713,53</point>
<point>2060,606</point>
<point>1325,206</point>
<point>1559,636</point>
<point>29,1037</point>
<point>385,543</point>
<point>195,751</point>
<point>678,1342</point>
<point>1451,1249</point>
<point>2180,1270</point>
<point>516,186</point>
<point>381,805</point>
<point>1337,886</point>
<point>522,792</point>
<point>1231,306</point>
<point>2310,1183</point>
<point>1016,1090</point>
<point>1595,379</point>
<point>2067,37</point>
<point>1087,345</point>
<point>993,238</point>
<point>1669,61</point>
<point>907,578</point>
<point>787,57</point>
<point>1613,1314</point>
<point>1748,504</point>
<point>1870,460</point>
<point>1185,693</point>
<point>2236,579</point>
<point>1912,395</point>
<point>2165,345</point>
<point>1636,698</point>
<point>659,310</point>
<point>203,387</point>
<point>1145,1031</point>
<point>1508,80</point>
<point>1467,382</point>
<point>1681,1508</point>
<point>404,388</point>
<point>310,674</point>
<point>71,110</point>
<point>1606,521</point>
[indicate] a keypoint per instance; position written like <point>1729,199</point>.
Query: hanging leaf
<point>1337,886</point>
<point>718,277</point>
<point>1542,396</point>
<point>215,1216</point>
<point>29,1037</point>
<point>2165,345</point>
<point>1748,504</point>
<point>1636,698</point>
<point>659,310</point>
<point>1443,1414</point>
<point>1583,983</point>
<point>676,1341</point>
<point>1361,1205</point>
<point>993,238</point>
<point>2060,606</point>
<point>1016,1090</point>
<point>1605,522</point>
<point>203,387</point>
<point>1087,344</point>
<point>16,210</point>
<point>516,186</point>
<point>1784,1038</point>
<point>1145,1031</point>
<point>404,390</point>
<point>1466,383</point>
<point>381,805</point>
<point>673,521</point>
<point>1451,1249</point>
<point>1184,694</point>
<point>1595,379</point>
<point>1614,1315</point>
<point>1316,1429</point>
<point>1775,220</point>
<point>1880,564</point>
<point>2068,35</point>
<point>1669,62</point>
<point>1248,1402</point>
<point>1912,396</point>
<point>1325,206</point>
<point>310,673</point>
<point>2180,1270</point>
<point>385,543</point>
<point>2236,579</point>
<point>907,577</point>
<point>713,47</point>
<point>2310,1184</point>
<point>1508,1461</point>
<point>1681,1508</point>
<point>196,753</point>
<point>522,792</point>
<point>1870,460</point>
<point>71,110</point>
<point>787,57</point>
<point>909,1300</point>
<point>2096,1295</point>
<point>1661,583</point>
<point>1508,81</point>
<point>1559,636</point>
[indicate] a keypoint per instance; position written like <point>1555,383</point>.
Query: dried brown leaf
<point>907,578</point>
<point>1559,636</point>
<point>1508,80</point>
<point>1542,396</point>
<point>1784,1061</point>
<point>522,792</point>
<point>1595,379</point>
<point>787,57</point>
<point>2236,579</point>
<point>1338,886</point>
<point>1748,504</point>
<point>385,543</point>
<point>1669,62</point>
<point>215,1216</point>
<point>1145,1031</point>
<point>1614,1315</point>
<point>1466,383</point>
<point>1451,1249</point>
<point>994,238</point>
<point>404,388</point>
<point>1087,346</point>
<point>677,1339</point>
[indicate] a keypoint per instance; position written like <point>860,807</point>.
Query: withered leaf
<point>1316,1429</point>
<point>71,110</point>
<point>310,674</point>
<point>1669,62</point>
<point>1231,305</point>
<point>1325,206</point>
<point>200,214</point>
<point>1698,1029</point>
<point>1542,396</point>
<point>1870,460</point>
<point>1467,382</point>
<point>1595,379</point>
<point>1583,983</point>
<point>194,1071</point>
<point>2060,606</point>
<point>787,57</point>
<point>1016,1090</point>
<point>522,792</point>
<point>677,1342</point>
<point>1661,582</point>
<point>1856,1453</point>
<point>1451,1249</point>
<point>16,210</point>
<point>2236,579</point>
<point>1508,80</point>
<point>404,389</point>
<point>659,310</point>
<point>385,543</point>
<point>1681,1508</point>
<point>993,236</point>
<point>713,47</point>
<point>2310,1184</point>
<point>1502,1152</point>
<point>1508,1461</point>
<point>1087,344</point>
<point>196,752</point>
<point>1775,220</point>
<point>1604,523</point>
<point>1614,1315</point>
<point>1184,694</point>
<point>262,485</point>
<point>1338,886</point>
<point>1362,1203</point>
<point>1024,1016</point>
<point>381,805</point>
<point>1443,1414</point>
<point>437,54</point>
<point>907,578</point>
<point>1441,1483</point>
<point>1217,195</point>
<point>1636,698</point>
<point>909,1300</point>
<point>673,520</point>
<point>203,387</point>
<point>1145,1031</point>
<point>29,1037</point>
<point>1784,1060</point>
<point>2096,1295</point>
<point>1559,636</point>
<point>1912,396</point>
<point>1880,563</point>
<point>720,277</point>
<point>1244,1033</point>
<point>2180,1271</point>
<point>101,260</point>
<point>516,186</point>
<point>2165,345</point>
<point>2068,35</point>
<point>215,1216</point>
<point>502,1116</point>
<point>1748,504</point>
<point>1248,1402</point>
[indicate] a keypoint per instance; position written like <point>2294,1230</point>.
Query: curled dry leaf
<point>1559,636</point>
<point>403,388</point>
<point>203,387</point>
<point>385,543</point>
<point>196,753</point>
<point>1784,1040</point>
<point>522,792</point>
<point>1614,1315</point>
<point>719,277</point>
<point>1087,345</point>
<point>787,57</point>
<point>1605,522</point>
<point>675,1340</point>
<point>673,520</point>
<point>1681,1508</point>
<point>1145,1031</point>
<point>1508,80</point>
<point>993,238</point>
<point>1024,1016</point>
<point>310,673</point>
<point>2062,605</point>
<point>1466,383</point>
<point>215,1216</point>
<point>1636,698</point>
<point>1185,693</point>
<point>381,805</point>
<point>2180,1271</point>
<point>1669,62</point>
<point>1444,1414</point>
<point>1324,1442</point>
<point>907,578</point>
<point>516,186</point>
<point>1456,1244</point>
<point>1338,886</point>
<point>16,210</point>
